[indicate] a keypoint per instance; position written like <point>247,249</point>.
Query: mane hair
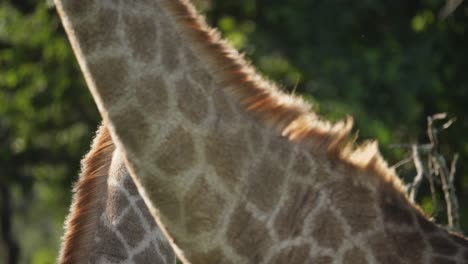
<point>289,115</point>
<point>87,204</point>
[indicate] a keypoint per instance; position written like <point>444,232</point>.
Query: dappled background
<point>390,64</point>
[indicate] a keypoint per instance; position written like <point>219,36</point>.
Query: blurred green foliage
<point>387,63</point>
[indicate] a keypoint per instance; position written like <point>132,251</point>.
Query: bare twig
<point>435,202</point>
<point>449,8</point>
<point>401,162</point>
<point>419,173</point>
<point>438,166</point>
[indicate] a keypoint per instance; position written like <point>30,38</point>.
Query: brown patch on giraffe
<point>248,236</point>
<point>426,225</point>
<point>256,137</point>
<point>443,246</point>
<point>327,230</point>
<point>110,75</point>
<point>92,37</point>
<point>128,184</point>
<point>78,8</point>
<point>146,214</point>
<point>134,139</point>
<point>151,94</point>
<point>191,101</point>
<point>169,51</point>
<point>131,228</point>
<point>167,203</point>
<point>203,207</point>
<point>177,153</point>
<point>264,181</point>
<point>303,166</point>
<point>290,219</point>
<point>147,256</point>
<point>355,255</point>
<point>394,209</point>
<point>321,260</point>
<point>223,110</point>
<point>409,246</point>
<point>226,152</point>
<point>109,245</point>
<point>202,78</point>
<point>279,149</point>
<point>213,256</point>
<point>116,200</point>
<point>141,34</point>
<point>442,260</point>
<point>355,204</point>
<point>382,250</point>
<point>292,255</point>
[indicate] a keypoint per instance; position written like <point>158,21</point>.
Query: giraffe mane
<point>289,115</point>
<point>87,204</point>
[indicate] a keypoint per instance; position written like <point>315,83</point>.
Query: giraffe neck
<point>233,170</point>
<point>109,221</point>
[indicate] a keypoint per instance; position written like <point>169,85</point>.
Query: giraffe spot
<point>303,166</point>
<point>223,110</point>
<point>170,45</point>
<point>109,246</point>
<point>116,201</point>
<point>442,260</point>
<point>441,245</point>
<point>191,101</point>
<point>166,201</point>
<point>148,256</point>
<point>128,184</point>
<point>131,228</point>
<point>409,246</point>
<point>134,140</point>
<point>151,95</point>
<point>292,255</point>
<point>177,153</point>
<point>264,183</point>
<point>110,75</point>
<point>355,204</point>
<point>321,260</point>
<point>256,136</point>
<point>226,152</point>
<point>382,249</point>
<point>203,207</point>
<point>280,149</point>
<point>327,230</point>
<point>426,225</point>
<point>98,33</point>
<point>146,213</point>
<point>78,8</point>
<point>201,77</point>
<point>290,219</point>
<point>248,236</point>
<point>212,256</point>
<point>394,210</point>
<point>355,255</point>
<point>141,34</point>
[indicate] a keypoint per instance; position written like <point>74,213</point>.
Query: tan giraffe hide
<point>232,169</point>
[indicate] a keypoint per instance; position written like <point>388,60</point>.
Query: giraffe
<point>109,222</point>
<point>230,168</point>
